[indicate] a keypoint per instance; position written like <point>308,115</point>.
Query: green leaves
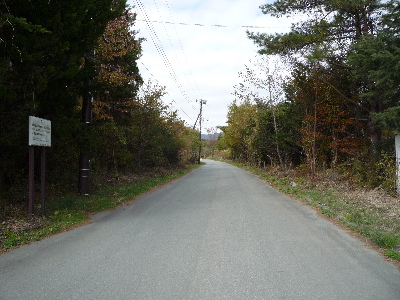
<point>282,44</point>
<point>329,23</point>
<point>375,61</point>
<point>42,45</point>
<point>359,42</point>
<point>389,119</point>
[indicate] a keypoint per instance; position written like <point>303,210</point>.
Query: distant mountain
<point>205,136</point>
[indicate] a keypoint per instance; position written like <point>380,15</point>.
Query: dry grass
<point>376,201</point>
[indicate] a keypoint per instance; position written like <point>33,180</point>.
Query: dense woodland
<point>56,54</point>
<point>335,104</point>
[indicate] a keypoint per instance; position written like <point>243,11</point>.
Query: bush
<point>371,174</point>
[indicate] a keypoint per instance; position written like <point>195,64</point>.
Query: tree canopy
<point>361,36</point>
<point>340,105</point>
<point>45,69</point>
<point>332,25</point>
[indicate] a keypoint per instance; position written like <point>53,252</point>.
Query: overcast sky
<point>199,62</point>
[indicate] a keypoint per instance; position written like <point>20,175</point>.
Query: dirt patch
<point>388,206</point>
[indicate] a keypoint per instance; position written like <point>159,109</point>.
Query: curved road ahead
<point>217,233</point>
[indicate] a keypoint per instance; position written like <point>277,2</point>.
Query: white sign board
<point>39,132</point>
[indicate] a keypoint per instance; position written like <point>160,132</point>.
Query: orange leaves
<point>118,39</point>
<point>331,129</point>
<point>117,43</point>
<point>118,77</point>
<point>114,75</point>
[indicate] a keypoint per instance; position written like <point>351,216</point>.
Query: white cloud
<point>205,59</point>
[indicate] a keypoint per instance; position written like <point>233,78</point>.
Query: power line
<point>149,71</point>
<point>184,55</point>
<point>211,25</point>
<point>169,39</point>
<point>153,36</point>
<point>166,93</point>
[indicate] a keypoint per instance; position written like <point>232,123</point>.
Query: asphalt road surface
<point>217,233</point>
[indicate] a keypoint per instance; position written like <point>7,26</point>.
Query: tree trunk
<point>374,132</point>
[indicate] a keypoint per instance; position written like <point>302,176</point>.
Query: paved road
<point>217,233</point>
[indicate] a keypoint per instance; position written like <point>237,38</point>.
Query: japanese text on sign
<point>39,132</point>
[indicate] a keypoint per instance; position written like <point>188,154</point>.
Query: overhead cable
<point>209,25</point>
<point>153,36</point>
<point>169,39</point>
<point>183,52</point>
<point>166,93</point>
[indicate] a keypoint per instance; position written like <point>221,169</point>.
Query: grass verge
<point>370,214</point>
<point>72,210</point>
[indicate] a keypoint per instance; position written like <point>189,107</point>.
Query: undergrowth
<point>372,213</point>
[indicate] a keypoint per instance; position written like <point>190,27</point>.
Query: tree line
<point>56,53</point>
<point>338,107</point>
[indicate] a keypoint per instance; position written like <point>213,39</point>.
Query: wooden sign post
<point>39,136</point>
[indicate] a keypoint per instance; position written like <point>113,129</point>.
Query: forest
<point>75,63</point>
<point>324,96</point>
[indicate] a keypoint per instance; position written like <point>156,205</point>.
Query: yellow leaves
<point>113,75</point>
<point>118,40</point>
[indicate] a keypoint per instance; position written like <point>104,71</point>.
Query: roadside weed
<point>359,210</point>
<point>73,210</point>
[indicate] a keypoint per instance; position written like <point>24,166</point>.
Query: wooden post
<point>200,117</point>
<point>397,147</point>
<point>31,180</point>
<point>43,180</point>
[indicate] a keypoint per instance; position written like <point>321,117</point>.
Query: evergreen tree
<point>333,29</point>
<point>43,44</point>
<point>332,25</point>
<point>375,60</point>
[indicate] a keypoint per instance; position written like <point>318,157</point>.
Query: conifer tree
<point>42,46</point>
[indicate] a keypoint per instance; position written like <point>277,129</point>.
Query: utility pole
<point>200,118</point>
<point>87,102</point>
